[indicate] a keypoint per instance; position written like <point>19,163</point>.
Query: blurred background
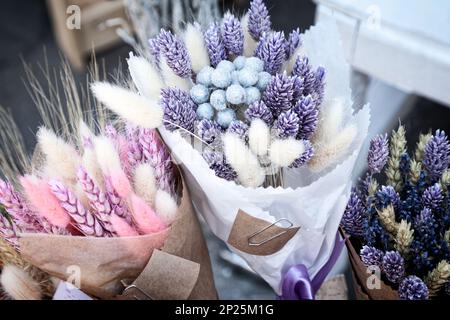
<point>399,51</point>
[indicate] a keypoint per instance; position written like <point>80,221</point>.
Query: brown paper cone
<point>360,276</point>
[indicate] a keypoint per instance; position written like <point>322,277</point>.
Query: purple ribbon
<point>296,283</point>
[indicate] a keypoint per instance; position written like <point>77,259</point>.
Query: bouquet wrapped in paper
<point>100,209</point>
<point>264,130</point>
<point>399,220</point>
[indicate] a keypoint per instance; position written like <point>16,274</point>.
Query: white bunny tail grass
<point>165,206</point>
<point>259,137</point>
<point>61,158</point>
<point>138,110</point>
<point>243,161</point>
<point>284,152</point>
<point>19,285</point>
<point>145,76</point>
<point>171,79</point>
<point>249,43</point>
<point>331,120</point>
<point>145,183</point>
<point>193,38</point>
<point>107,156</point>
<point>329,153</point>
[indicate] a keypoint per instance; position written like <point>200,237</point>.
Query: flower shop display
<point>101,206</point>
<point>263,127</point>
<point>399,219</point>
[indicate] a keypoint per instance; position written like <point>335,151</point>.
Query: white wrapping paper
<point>312,201</point>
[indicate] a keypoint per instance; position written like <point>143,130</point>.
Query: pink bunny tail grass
<point>41,197</point>
<point>87,223</point>
<point>118,204</point>
<point>145,217</point>
<point>8,233</point>
<point>122,228</point>
<point>121,183</point>
<point>21,215</point>
<point>98,199</point>
<point>156,153</point>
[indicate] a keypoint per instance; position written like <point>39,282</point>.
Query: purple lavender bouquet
<point>404,223</point>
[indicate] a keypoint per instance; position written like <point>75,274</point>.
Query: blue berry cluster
<point>230,84</point>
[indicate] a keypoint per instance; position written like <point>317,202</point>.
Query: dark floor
<point>24,34</point>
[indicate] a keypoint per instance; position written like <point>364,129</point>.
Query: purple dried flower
<point>298,87</point>
<point>272,51</point>
<point>233,35</point>
<point>353,219</point>
<point>156,154</point>
<point>118,204</point>
<point>258,19</point>
<point>378,153</point>
<point>214,44</point>
<point>386,196</point>
<point>293,42</point>
<point>371,256</point>
<point>433,197</point>
<point>175,53</point>
<point>87,223</point>
<point>98,200</point>
<point>393,266</point>
<point>424,222</point>
<point>308,115</point>
<point>286,125</point>
<point>279,94</point>
<point>238,127</point>
<point>259,110</point>
<point>18,210</point>
<point>319,85</point>
<point>135,154</point>
<point>413,288</point>
<point>437,155</point>
<point>179,109</point>
<point>218,164</point>
<point>303,69</point>
<point>208,130</point>
<point>305,157</point>
<point>155,52</point>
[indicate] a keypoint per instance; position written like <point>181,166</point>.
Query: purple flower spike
<point>303,69</point>
<point>238,127</point>
<point>413,288</point>
<point>175,53</point>
<point>308,115</point>
<point>259,110</point>
<point>371,256</point>
<point>155,52</point>
<point>279,94</point>
<point>432,197</point>
<point>233,36</point>
<point>179,109</point>
<point>393,266</point>
<point>305,157</point>
<point>272,51</point>
<point>319,85</point>
<point>378,153</point>
<point>437,155</point>
<point>258,19</point>
<point>208,130</point>
<point>214,44</point>
<point>218,164</point>
<point>353,218</point>
<point>293,42</point>
<point>286,125</point>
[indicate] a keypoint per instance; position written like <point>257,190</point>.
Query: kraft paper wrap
<point>246,225</point>
<point>104,262</point>
<point>360,275</point>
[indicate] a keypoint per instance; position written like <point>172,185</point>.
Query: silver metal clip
<point>129,287</point>
<point>257,244</point>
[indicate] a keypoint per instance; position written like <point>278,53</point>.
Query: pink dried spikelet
<point>43,201</point>
<point>121,227</point>
<point>145,217</point>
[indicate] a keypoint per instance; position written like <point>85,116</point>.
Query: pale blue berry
<point>199,93</point>
<point>255,64</point>
<point>253,95</point>
<point>204,76</point>
<point>235,77</point>
<point>248,77</point>
<point>226,65</point>
<point>235,94</point>
<point>221,78</point>
<point>239,62</point>
<point>205,111</point>
<point>263,80</point>
<point>218,100</point>
<point>225,117</point>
